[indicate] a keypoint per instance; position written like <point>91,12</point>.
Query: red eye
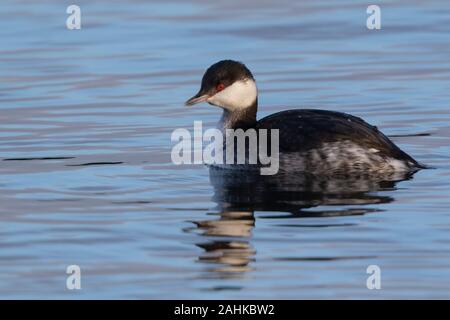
<point>220,87</point>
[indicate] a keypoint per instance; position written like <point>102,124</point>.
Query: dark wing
<point>302,130</point>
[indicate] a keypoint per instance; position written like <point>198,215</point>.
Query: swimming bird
<point>310,140</point>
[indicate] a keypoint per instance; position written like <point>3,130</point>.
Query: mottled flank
<point>342,158</point>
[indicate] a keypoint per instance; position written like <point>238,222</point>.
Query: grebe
<point>312,141</point>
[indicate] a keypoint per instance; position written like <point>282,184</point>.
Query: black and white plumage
<point>312,141</point>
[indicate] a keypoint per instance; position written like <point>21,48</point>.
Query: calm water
<point>85,170</point>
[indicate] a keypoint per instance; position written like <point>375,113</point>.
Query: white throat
<point>240,95</point>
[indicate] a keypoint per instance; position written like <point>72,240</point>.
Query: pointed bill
<point>199,97</point>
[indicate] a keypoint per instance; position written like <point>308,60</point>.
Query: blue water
<point>86,176</point>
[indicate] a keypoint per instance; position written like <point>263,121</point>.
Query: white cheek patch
<point>239,95</point>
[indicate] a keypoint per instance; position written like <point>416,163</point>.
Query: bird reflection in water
<point>230,248</point>
<point>239,194</point>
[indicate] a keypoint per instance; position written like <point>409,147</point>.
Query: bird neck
<point>242,118</point>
